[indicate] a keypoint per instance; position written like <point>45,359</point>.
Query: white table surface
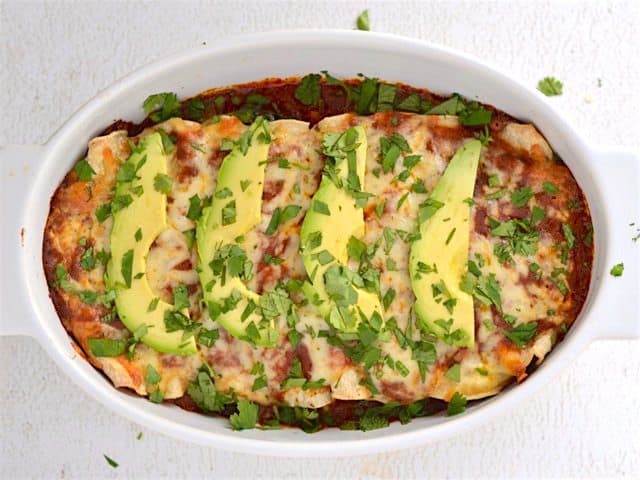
<point>56,55</point>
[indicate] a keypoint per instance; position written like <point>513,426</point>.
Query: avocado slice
<point>438,260</point>
<point>331,220</point>
<point>235,209</point>
<point>135,227</point>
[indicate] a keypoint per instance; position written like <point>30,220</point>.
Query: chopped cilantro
<point>246,417</point>
<point>363,21</point>
<point>204,393</point>
<point>550,86</point>
<point>229,213</point>
<point>411,161</point>
<point>162,106</point>
<point>152,377</point>
<point>280,217</point>
<point>120,202</point>
<point>365,94</point>
<point>522,333</point>
<point>403,198</point>
<point>386,97</point>
<point>521,196</point>
<point>370,421</point>
<point>112,463</point>
<point>457,404</point>
<point>195,108</point>
<point>475,115</point>
<point>321,207</point>
<point>308,91</point>
<point>356,248</point>
<point>497,194</point>
<point>168,145</point>
<point>223,193</point>
<point>153,304</point>
<point>84,171</point>
<point>127,266</point>
<point>411,103</point>
<point>208,337</point>
<point>106,347</point>
<point>271,260</point>
<point>180,297</point>
<point>560,284</point>
<point>568,235</point>
<point>453,373</point>
<point>88,259</point>
<point>428,208</point>
<point>195,208</point>
<point>617,270</point>
<point>275,303</point>
<point>549,188</point>
<point>388,298</point>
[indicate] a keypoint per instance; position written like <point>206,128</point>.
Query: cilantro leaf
<point>550,86</point>
<point>180,297</point>
<point>522,333</point>
<point>617,270</point>
<point>84,171</point>
<point>321,207</point>
<point>163,183</point>
<point>451,106</point>
<point>549,188</point>
<point>127,266</point>
<point>372,421</point>
<point>204,394</point>
<point>475,115</point>
<point>568,235</point>
<point>457,404</point>
<point>386,97</point>
<point>88,259</point>
<point>152,377</point>
<point>365,94</point>
<point>308,92</point>
<point>275,303</point>
<point>195,208</point>
<point>161,106</point>
<point>208,337</point>
<point>453,373</point>
<point>247,416</point>
<point>229,213</point>
<point>103,212</point>
<point>106,347</point>
<point>363,21</point>
<point>195,109</point>
<point>110,461</point>
<point>521,196</point>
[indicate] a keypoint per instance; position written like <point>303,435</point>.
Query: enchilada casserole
<point>318,252</point>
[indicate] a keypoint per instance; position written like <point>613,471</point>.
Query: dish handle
<point>617,308</point>
<point>17,173</point>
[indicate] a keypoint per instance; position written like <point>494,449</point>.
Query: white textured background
<point>54,56</point>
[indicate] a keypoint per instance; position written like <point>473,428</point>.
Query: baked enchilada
<point>315,252</point>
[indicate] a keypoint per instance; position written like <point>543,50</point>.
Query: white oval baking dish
<point>610,178</point>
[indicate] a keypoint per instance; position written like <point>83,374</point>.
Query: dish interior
<point>528,268</point>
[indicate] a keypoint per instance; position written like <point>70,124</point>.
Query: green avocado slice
<point>331,220</point>
<point>438,260</point>
<point>235,209</point>
<point>135,227</point>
